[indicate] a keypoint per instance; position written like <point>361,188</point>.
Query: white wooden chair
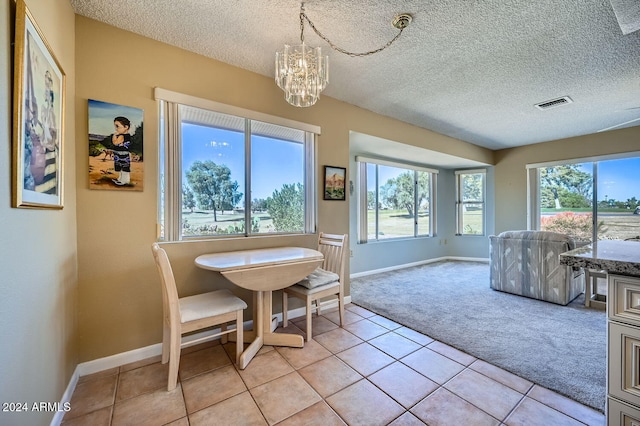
<point>323,282</point>
<point>185,314</point>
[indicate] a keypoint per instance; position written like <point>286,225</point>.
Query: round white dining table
<point>263,271</point>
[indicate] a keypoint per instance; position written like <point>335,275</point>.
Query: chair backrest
<point>527,263</point>
<point>171,306</point>
<point>333,247</point>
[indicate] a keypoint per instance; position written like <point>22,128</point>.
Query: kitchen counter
<point>613,256</point>
<point>621,260</point>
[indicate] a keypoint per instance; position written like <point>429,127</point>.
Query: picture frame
<point>115,146</point>
<point>334,183</point>
<point>38,118</point>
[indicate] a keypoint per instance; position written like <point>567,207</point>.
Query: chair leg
<point>239,336</point>
<point>587,289</point>
<point>309,313</point>
<point>225,337</point>
<point>166,336</point>
<point>285,309</point>
<point>341,308</point>
<point>174,360</point>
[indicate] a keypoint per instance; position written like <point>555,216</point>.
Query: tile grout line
<point>367,377</point>
<point>476,358</point>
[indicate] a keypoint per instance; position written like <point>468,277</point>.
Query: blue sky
<point>101,115</point>
<point>227,147</point>
<point>617,179</point>
<point>384,174</point>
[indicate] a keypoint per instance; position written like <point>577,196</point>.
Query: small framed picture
<point>334,178</point>
<point>38,123</point>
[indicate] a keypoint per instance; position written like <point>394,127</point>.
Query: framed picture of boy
<point>115,147</point>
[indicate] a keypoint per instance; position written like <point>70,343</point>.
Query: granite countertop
<point>613,256</point>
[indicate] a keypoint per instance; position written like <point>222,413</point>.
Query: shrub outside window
<point>590,200</point>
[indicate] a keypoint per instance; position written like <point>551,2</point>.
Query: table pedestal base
<point>263,333</point>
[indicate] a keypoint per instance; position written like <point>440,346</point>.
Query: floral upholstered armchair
<point>527,263</point>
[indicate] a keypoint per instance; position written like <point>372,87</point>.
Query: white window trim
<point>391,163</point>
<point>533,179</point>
<point>180,98</point>
<point>172,168</point>
<point>460,203</point>
<point>363,230</point>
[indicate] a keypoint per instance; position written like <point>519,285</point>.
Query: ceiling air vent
<point>554,103</point>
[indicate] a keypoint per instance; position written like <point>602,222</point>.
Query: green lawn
<point>203,223</point>
<point>398,223</point>
<point>473,222</point>
<point>587,210</point>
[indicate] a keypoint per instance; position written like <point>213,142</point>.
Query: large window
<point>230,174</point>
<point>588,200</point>
<point>470,205</point>
<point>396,200</point>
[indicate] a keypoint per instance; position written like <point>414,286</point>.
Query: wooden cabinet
<point>619,413</point>
<point>624,299</point>
<point>621,260</point>
<point>623,386</point>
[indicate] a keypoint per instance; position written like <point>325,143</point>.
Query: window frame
<point>362,199</point>
<point>533,186</point>
<point>460,203</point>
<point>169,226</point>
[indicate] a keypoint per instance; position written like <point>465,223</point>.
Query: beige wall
<point>511,177</point>
<point>119,296</point>
<point>59,264</point>
<point>38,254</point>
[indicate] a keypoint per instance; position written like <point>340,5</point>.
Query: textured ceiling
<point>470,69</point>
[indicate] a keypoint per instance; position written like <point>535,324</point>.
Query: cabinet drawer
<point>620,414</point>
<point>624,299</point>
<point>624,362</point>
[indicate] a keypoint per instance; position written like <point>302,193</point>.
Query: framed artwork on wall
<point>115,146</point>
<point>334,178</point>
<point>38,118</point>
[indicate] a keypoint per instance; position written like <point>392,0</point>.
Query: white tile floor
<point>371,372</point>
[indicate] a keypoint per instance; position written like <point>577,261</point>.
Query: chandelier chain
<point>333,46</point>
<point>302,15</point>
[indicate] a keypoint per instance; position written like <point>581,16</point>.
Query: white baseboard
<point>139,354</point>
<point>66,398</point>
<point>150,351</point>
<point>300,312</point>
<point>396,267</point>
<point>421,262</point>
<point>470,259</point>
<point>112,361</point>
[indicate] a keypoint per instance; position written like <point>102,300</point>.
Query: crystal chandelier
<point>303,72</point>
